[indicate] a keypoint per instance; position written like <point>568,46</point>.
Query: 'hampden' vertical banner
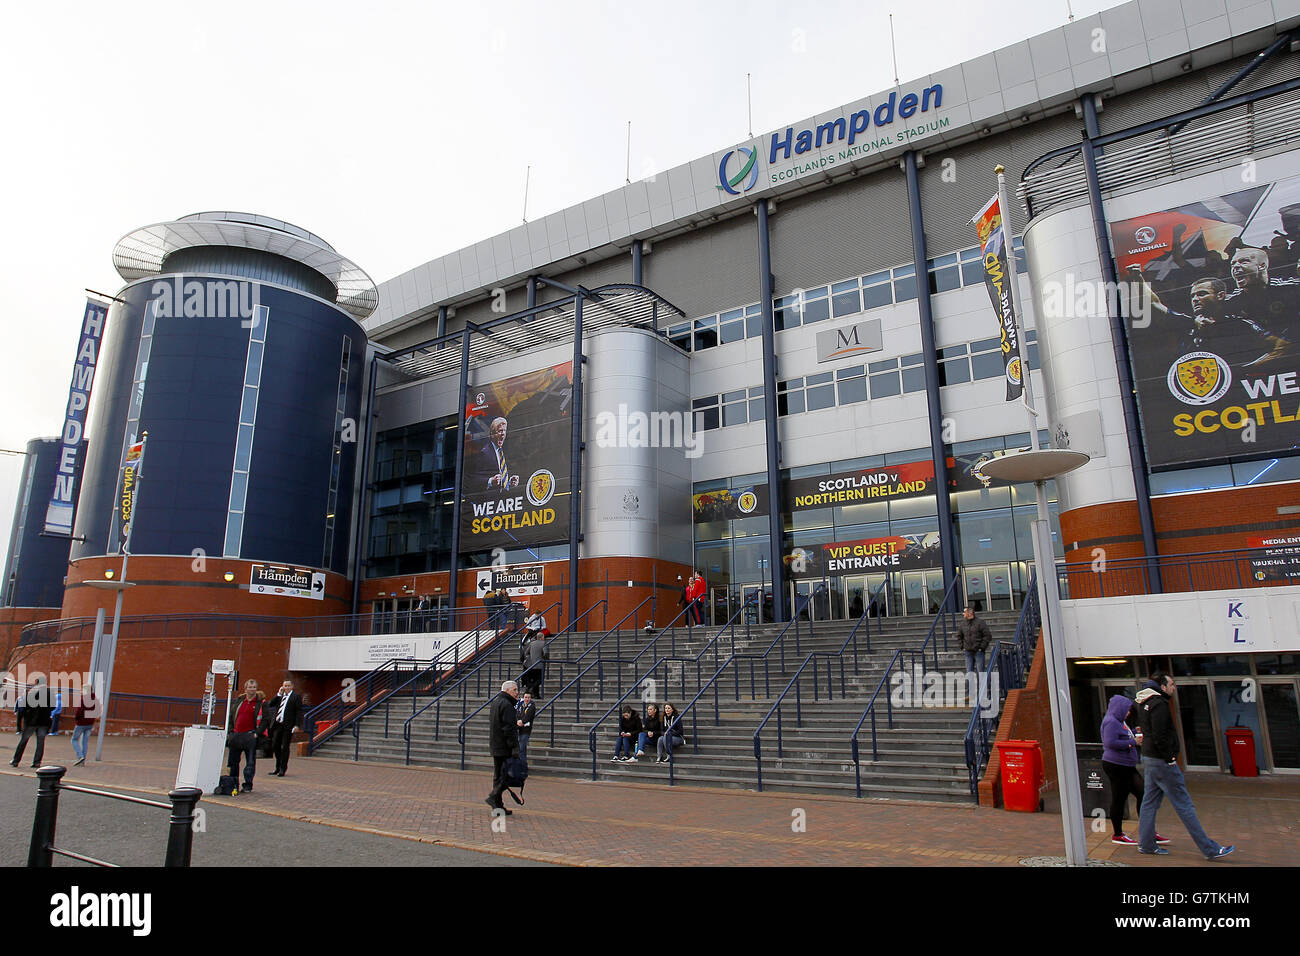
<point>993,243</point>
<point>63,499</point>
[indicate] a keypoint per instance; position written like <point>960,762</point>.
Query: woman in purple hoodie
<point>1123,750</point>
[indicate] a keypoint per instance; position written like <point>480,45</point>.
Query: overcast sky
<point>396,131</point>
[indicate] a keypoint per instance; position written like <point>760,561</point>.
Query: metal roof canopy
<point>616,305</point>
<point>141,252</point>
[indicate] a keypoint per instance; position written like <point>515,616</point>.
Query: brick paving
<point>582,823</point>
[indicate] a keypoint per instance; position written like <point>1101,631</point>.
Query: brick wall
<point>1025,716</point>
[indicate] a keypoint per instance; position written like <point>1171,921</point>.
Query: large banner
<point>130,484</point>
<point>904,552</point>
<point>997,279</point>
<point>1278,559</point>
<point>883,483</point>
<point>1217,361</point>
<point>516,475</point>
<point>63,499</point>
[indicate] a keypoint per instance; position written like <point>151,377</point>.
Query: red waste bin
<point>1241,751</point>
<point>1022,774</point>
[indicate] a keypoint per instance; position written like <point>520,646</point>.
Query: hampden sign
<point>795,152</point>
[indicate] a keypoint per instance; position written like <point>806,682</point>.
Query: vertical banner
<point>63,499</point>
<point>993,243</point>
<point>131,466</point>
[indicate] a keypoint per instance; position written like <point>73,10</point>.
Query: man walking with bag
<point>503,740</point>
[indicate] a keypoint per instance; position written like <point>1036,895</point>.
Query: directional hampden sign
<point>279,581</point>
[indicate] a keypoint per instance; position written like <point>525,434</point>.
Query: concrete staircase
<point>920,758</point>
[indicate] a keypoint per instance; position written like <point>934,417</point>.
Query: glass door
<point>1200,739</point>
<point>914,592</point>
<point>934,591</point>
<point>1283,719</point>
<point>719,605</point>
<point>752,596</point>
<point>975,583</point>
<point>1001,597</point>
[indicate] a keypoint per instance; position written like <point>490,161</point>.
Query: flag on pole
<point>997,279</point>
<point>131,465</point>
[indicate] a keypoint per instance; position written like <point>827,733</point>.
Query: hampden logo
<point>1199,378</point>
<point>748,173</point>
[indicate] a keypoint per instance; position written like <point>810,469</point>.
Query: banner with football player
<point>1216,347</point>
<point>516,480</point>
<point>997,279</point>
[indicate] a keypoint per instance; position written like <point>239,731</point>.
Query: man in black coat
<point>503,740</point>
<point>974,637</point>
<point>283,715</point>
<point>535,657</point>
<point>34,718</point>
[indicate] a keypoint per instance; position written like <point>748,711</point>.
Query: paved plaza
<point>421,813</point>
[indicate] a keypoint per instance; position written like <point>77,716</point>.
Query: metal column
<point>1119,343</point>
<point>460,462</point>
<point>359,547</point>
<point>947,550</point>
<point>774,499</point>
<point>636,262</point>
<point>575,460</point>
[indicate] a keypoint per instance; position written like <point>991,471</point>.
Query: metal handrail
<point>943,616</point>
<point>449,659</point>
<point>1203,570</point>
<point>871,712</point>
<point>618,639</point>
<point>248,625</point>
<point>463,681</point>
<point>794,683</point>
<point>663,661</point>
<point>980,727</point>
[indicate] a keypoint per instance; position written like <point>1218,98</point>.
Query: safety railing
<point>1011,659</point>
<point>41,851</point>
<point>1275,566</point>
<point>942,620</point>
<point>243,625</point>
<point>640,681</point>
<point>460,686</point>
<point>349,705</point>
<point>870,712</point>
<point>616,632</point>
<point>162,710</point>
<point>795,685</point>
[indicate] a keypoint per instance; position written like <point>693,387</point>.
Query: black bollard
<point>180,835</point>
<point>47,814</point>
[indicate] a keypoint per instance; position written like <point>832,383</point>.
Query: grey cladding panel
<point>854,227</point>
<point>947,207</point>
<point>709,269</point>
<point>615,269</point>
<point>1186,92</point>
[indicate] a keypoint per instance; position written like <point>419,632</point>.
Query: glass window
<point>986,365</point>
<point>732,331</point>
<point>914,380</point>
<point>243,447</point>
<point>756,411</point>
<point>845,298</point>
<point>972,267</point>
<point>787,312</point>
<point>1262,472</point>
<point>904,283</point>
<point>261,313</point>
<point>253,372</point>
<point>707,419</point>
<point>706,333</point>
<point>816,306</point>
<point>681,335</point>
<point>1192,479</point>
<point>790,403</point>
<point>734,414</point>
<point>234,527</point>
<point>248,406</point>
<point>853,390</point>
<point>238,491</point>
<point>944,273</point>
<point>753,321</point>
<point>821,396</point>
<point>954,372</point>
<point>882,386</point>
<point>877,290</point>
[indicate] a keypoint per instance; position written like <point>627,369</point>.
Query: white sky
<point>396,131</point>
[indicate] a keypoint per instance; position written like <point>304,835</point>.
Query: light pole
<point>1039,465</point>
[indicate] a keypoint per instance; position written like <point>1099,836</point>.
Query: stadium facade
<point>778,364</point>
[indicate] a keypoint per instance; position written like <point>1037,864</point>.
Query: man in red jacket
<point>242,726</point>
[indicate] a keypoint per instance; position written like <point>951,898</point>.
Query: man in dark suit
<point>503,740</point>
<point>492,473</point>
<point>284,714</point>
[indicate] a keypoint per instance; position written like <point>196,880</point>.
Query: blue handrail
<point>871,712</point>
<point>794,682</point>
<point>475,672</point>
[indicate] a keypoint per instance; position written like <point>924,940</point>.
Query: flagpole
<point>109,652</point>
<point>1027,388</point>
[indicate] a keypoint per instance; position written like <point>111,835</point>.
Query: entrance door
<point>934,591</point>
<point>975,584</point>
<point>1001,597</point>
<point>914,601</point>
<point>719,605</point>
<point>1283,718</point>
<point>1196,714</point>
<point>752,596</point>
